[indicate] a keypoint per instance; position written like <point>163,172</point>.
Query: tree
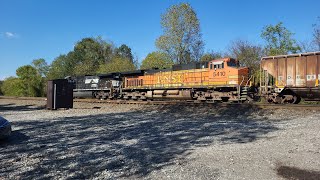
<point>316,34</point>
<point>85,59</point>
<point>307,46</point>
<point>62,66</point>
<point>88,54</point>
<point>89,57</point>
<point>124,51</point>
<point>117,64</point>
<point>12,87</point>
<point>31,83</point>
<point>182,37</point>
<point>41,66</point>
<point>247,54</point>
<point>210,56</point>
<point>158,60</point>
<point>279,40</point>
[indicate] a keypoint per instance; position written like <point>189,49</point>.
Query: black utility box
<point>59,94</point>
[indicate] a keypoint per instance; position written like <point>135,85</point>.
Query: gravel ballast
<point>127,141</point>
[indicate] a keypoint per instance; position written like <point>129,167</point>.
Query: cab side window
<point>219,66</point>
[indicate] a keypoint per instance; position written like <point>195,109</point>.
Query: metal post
<point>54,96</point>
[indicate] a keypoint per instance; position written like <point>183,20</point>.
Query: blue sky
<point>31,29</point>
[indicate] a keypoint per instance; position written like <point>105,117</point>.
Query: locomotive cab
<point>228,71</point>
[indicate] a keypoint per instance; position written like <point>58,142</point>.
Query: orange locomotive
<point>217,80</point>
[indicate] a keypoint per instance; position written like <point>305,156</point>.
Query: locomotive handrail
<point>249,80</point>
<point>242,80</point>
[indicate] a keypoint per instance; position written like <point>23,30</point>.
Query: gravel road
<point>105,141</point>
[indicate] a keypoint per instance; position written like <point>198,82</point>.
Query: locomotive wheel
<point>297,99</point>
<point>294,100</point>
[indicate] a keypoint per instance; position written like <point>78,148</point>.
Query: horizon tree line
<point>181,42</point>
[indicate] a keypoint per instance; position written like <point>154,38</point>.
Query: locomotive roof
<point>178,67</point>
<point>224,59</point>
<point>149,71</point>
<point>193,65</point>
<point>132,73</point>
<point>108,75</point>
<point>291,55</point>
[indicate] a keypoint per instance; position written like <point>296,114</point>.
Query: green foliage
<point>88,53</point>
<point>210,56</point>
<point>158,60</point>
<point>12,86</point>
<point>61,67</point>
<point>182,38</point>
<point>31,83</point>
<point>41,66</point>
<point>124,51</point>
<point>279,40</point>
<point>89,57</point>
<point>28,83</point>
<point>117,64</point>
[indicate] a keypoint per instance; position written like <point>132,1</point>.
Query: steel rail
<point>189,103</point>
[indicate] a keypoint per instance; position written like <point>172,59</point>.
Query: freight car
<point>288,78</point>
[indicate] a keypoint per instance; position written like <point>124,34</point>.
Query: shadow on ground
<point>130,144</point>
<point>13,107</point>
<point>298,174</point>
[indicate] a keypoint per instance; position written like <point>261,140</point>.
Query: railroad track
<point>189,103</point>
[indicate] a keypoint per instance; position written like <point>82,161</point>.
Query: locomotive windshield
<point>217,65</point>
<point>233,63</point>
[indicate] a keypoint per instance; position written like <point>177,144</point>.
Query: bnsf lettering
<point>175,78</point>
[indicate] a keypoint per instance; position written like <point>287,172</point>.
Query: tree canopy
<point>247,54</point>
<point>11,86</point>
<point>125,52</point>
<point>62,66</point>
<point>41,66</point>
<point>28,83</point>
<point>158,60</point>
<point>316,34</point>
<point>182,38</point>
<point>91,56</point>
<point>279,40</point>
<point>118,64</point>
<point>211,56</point>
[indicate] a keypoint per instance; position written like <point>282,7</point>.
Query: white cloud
<point>10,35</point>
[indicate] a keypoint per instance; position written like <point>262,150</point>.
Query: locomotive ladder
<point>243,90</point>
<point>244,93</point>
